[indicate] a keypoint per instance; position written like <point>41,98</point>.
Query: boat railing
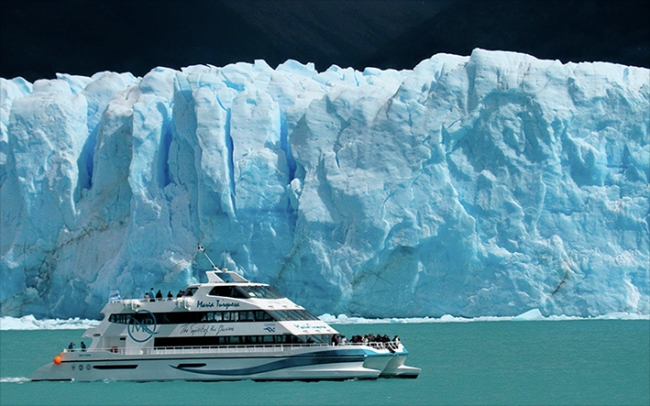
<point>379,344</point>
<point>146,299</point>
<point>252,348</point>
<point>224,349</point>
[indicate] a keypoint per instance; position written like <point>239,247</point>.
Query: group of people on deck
<point>71,346</point>
<point>150,296</point>
<point>367,339</point>
<point>371,338</point>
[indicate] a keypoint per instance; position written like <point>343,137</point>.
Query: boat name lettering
<point>216,304</point>
<point>204,330</point>
<point>308,326</point>
<point>222,329</point>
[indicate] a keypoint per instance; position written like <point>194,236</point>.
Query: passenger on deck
<point>180,293</point>
<point>152,295</point>
<point>159,294</point>
<point>169,295</point>
<point>83,346</point>
<point>71,347</point>
<point>146,296</point>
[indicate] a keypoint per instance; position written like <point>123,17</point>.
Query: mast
<point>214,267</point>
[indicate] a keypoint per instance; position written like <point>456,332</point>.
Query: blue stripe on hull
<point>323,357</point>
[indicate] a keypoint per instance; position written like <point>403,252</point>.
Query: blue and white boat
<point>226,329</point>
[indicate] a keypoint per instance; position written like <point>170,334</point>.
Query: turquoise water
<point>583,362</point>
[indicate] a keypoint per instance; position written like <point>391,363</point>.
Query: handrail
<point>265,348</point>
<point>147,299</point>
<point>198,350</point>
<point>380,345</point>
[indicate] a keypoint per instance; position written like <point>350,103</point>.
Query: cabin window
<point>212,341</point>
<point>230,316</point>
<point>228,291</point>
<point>317,338</point>
<point>224,291</point>
<point>267,339</point>
<point>246,292</point>
<point>283,315</point>
<point>260,292</point>
<point>261,315</point>
<point>119,318</point>
<point>209,317</point>
<point>179,317</point>
<point>246,316</point>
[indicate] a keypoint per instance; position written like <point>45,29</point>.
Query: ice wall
<point>472,186</point>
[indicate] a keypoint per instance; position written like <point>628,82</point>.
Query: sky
<point>39,38</point>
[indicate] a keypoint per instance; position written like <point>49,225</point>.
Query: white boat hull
<point>295,363</point>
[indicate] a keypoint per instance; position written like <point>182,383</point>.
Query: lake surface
<point>577,362</point>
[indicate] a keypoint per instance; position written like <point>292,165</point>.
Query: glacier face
<point>470,186</point>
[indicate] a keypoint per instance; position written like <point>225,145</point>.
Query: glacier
<point>469,186</point>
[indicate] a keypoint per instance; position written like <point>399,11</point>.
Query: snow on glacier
<point>474,186</point>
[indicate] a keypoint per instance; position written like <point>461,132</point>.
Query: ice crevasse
<point>471,186</point>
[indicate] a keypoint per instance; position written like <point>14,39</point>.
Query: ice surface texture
<point>471,186</point>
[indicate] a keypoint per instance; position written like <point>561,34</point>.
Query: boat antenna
<point>214,267</point>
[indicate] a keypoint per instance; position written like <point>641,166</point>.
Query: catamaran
<point>225,329</point>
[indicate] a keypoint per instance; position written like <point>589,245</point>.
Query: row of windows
<point>243,315</point>
<point>284,315</point>
<point>211,316</point>
<point>240,292</point>
<point>238,340</point>
<point>246,292</point>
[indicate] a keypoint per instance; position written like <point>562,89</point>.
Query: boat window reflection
<point>246,292</point>
<point>213,316</point>
<point>212,341</point>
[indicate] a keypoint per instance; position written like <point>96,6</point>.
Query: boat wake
<point>20,379</point>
